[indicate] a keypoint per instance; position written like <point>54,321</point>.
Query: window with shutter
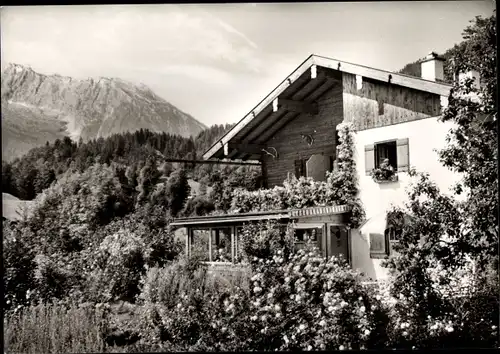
<point>386,150</point>
<point>378,246</point>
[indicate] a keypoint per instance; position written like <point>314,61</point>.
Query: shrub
<point>166,285</point>
<point>197,206</point>
<point>19,266</point>
<point>117,267</point>
<point>259,241</point>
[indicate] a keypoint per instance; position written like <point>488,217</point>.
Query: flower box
<point>384,175</point>
<point>392,179</point>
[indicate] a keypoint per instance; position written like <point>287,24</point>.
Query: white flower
<point>278,315</point>
<point>263,318</point>
<point>343,304</point>
<point>362,309</point>
<point>257,289</point>
<point>405,333</point>
<point>179,305</point>
<point>341,347</point>
<point>285,338</point>
<point>223,329</point>
<point>493,327</point>
<point>330,308</point>
<point>450,329</point>
<point>378,297</point>
<point>277,307</point>
<point>367,332</point>
<point>309,347</point>
<point>287,279</point>
<point>302,327</point>
<point>253,318</point>
<point>322,323</point>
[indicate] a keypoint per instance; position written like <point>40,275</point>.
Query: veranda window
<point>221,245</point>
<point>200,240</point>
<point>308,234</point>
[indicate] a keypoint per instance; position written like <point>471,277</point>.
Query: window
<point>300,168</point>
<point>308,234</point>
<point>392,234</point>
<point>387,150</point>
<point>221,245</point>
<point>381,244</point>
<point>200,244</point>
<point>396,151</point>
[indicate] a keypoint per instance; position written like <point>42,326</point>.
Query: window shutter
<point>378,245</point>
<point>369,158</point>
<point>403,155</point>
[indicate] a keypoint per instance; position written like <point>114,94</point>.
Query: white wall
<point>424,136</point>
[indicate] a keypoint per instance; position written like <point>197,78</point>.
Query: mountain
<point>37,108</point>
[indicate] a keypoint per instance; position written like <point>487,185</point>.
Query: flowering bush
<point>296,301</point>
<point>340,187</point>
<point>262,239</point>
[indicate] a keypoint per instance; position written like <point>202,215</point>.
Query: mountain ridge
<point>59,106</point>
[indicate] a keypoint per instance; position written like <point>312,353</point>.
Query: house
<point>293,131</point>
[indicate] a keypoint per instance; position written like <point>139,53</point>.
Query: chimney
<point>432,67</point>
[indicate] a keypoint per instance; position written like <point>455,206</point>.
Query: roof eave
<point>438,88</point>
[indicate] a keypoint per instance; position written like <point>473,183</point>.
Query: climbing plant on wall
<point>344,180</point>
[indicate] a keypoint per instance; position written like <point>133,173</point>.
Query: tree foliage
<point>445,289</point>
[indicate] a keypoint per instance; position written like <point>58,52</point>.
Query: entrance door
<point>338,242</point>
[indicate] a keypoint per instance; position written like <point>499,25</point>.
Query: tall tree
<point>148,178</point>
<point>177,190</point>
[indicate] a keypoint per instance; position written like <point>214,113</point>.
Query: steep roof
<point>309,79</point>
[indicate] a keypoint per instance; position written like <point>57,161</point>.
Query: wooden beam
<point>248,148</point>
<point>214,162</point>
<point>329,75</point>
<point>295,106</point>
<point>382,75</point>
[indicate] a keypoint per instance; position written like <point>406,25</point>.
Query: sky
<point>218,61</point>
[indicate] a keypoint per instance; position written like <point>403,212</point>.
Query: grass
<point>49,328</point>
